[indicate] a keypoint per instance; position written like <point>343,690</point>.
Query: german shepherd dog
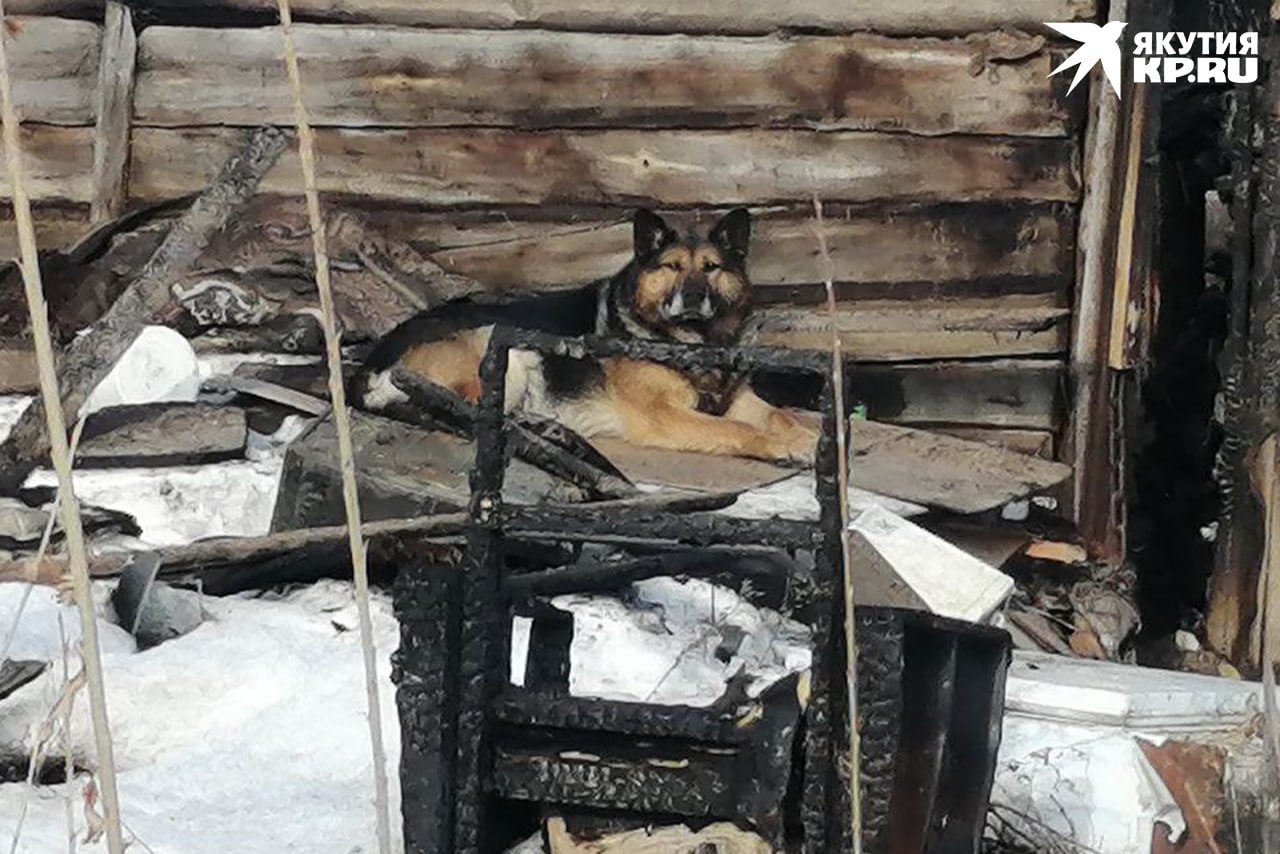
<point>676,288</point>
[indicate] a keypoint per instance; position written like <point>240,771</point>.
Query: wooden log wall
<point>508,139</point>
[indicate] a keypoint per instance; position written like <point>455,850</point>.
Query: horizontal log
<point>884,330</point>
<point>708,16</point>
<point>57,163</point>
<point>53,63</point>
<point>945,243</point>
<point>57,227</point>
<point>678,168</point>
<point>496,167</point>
<point>1006,393</point>
<point>380,77</point>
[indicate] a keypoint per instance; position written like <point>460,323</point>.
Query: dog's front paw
<point>794,446</point>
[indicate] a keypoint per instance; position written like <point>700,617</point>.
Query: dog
<point>691,288</point>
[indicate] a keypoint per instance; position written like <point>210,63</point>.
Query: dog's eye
<point>708,266</point>
<point>671,265</point>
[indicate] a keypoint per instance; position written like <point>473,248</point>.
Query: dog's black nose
<point>688,303</point>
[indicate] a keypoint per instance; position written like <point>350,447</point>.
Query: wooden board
<point>942,471</point>
<point>681,470</point>
<point>912,329</point>
<point>403,471</point>
<point>868,245</point>
<point>381,77</point>
<point>1011,393</point>
<point>748,16</point>
<point>53,63</point>
<point>162,435</point>
<point>58,162</point>
<point>679,168</point>
<point>57,227</point>
<point>1035,443</point>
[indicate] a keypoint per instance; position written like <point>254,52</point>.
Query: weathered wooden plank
<point>57,161</point>
<point>878,245</point>
<point>162,434</point>
<point>889,330</point>
<point>678,168</point>
<point>57,227</point>
<point>115,106</point>
<point>53,65</point>
<point>942,471</point>
<point>17,369</point>
<point>708,16</point>
<point>380,77</point>
<point>1034,443</point>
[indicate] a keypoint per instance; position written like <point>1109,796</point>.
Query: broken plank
<point>401,471</point>
<point>266,390</point>
<point>53,64</point>
<point>907,244</point>
<point>942,471</point>
<point>885,330</point>
<point>952,583</point>
<point>710,16</point>
<point>390,77</point>
<point>162,434</point>
<point>679,167</point>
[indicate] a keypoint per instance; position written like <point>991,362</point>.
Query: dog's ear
<point>732,234</point>
<point>652,234</point>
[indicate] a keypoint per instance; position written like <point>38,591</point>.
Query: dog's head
<point>696,282</point>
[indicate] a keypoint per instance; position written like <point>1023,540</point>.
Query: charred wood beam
<point>88,358</point>
<point>681,357</point>
<point>599,576</point>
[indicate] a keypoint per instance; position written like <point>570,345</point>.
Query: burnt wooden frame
<point>930,690</point>
<point>484,643</point>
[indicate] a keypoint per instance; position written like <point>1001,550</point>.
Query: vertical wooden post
<point>115,110</point>
<point>1089,432</point>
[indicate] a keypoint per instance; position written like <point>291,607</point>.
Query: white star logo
<point>1099,45</point>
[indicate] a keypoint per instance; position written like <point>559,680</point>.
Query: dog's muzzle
<point>684,307</point>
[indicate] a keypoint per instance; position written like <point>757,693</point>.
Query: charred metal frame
<point>472,741</point>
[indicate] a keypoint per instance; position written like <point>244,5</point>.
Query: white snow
<point>659,647</point>
<point>183,503</point>
<point>1070,769</point>
<point>247,735</point>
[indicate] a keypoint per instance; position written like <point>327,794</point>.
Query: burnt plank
<point>485,166</point>
<point>870,245</point>
<point>162,434</point>
<point>385,77</point>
